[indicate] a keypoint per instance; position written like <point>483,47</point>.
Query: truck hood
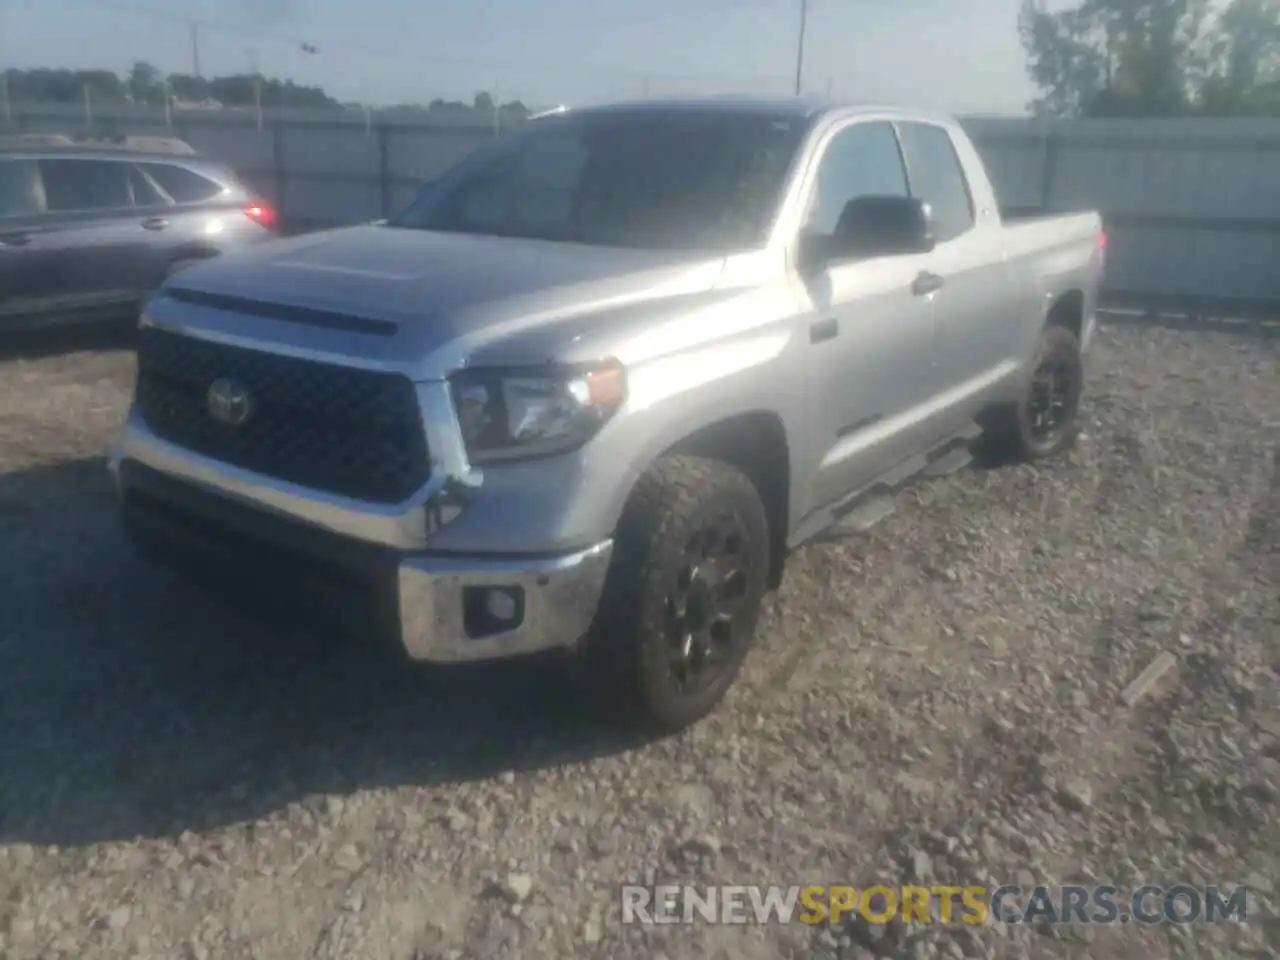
<point>413,295</point>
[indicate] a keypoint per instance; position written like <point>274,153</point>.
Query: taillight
<point>261,213</point>
<point>1102,239</point>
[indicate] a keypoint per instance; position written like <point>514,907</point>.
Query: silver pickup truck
<point>590,387</point>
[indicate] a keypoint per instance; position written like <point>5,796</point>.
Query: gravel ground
<point>938,698</point>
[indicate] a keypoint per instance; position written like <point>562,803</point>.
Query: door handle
<point>155,223</point>
<point>821,330</point>
<point>926,283</point>
<point>14,239</point>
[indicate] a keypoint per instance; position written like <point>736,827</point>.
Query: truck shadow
<point>116,334</point>
<point>132,705</point>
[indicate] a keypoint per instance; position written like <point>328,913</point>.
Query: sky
<point>957,55</point>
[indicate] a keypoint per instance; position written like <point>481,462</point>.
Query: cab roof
<point>807,108</point>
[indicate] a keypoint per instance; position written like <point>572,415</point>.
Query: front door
<point>98,237</point>
<point>28,270</point>
<point>872,329</point>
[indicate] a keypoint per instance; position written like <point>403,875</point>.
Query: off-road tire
<point>1011,429</point>
<point>628,651</point>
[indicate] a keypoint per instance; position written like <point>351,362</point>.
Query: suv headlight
<point>514,414</point>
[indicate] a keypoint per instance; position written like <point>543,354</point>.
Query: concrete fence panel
<point>1192,206</point>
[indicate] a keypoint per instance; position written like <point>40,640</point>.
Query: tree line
<point>1153,58</point>
<point>146,85</point>
<point>1099,58</point>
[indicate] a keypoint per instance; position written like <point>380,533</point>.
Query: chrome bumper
<point>559,596</point>
<point>552,599</point>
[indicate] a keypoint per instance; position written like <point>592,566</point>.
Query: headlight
<point>520,413</point>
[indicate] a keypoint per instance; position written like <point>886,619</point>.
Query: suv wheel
<point>683,596</point>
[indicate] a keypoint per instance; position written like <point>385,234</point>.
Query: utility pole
<point>195,48</point>
<point>257,85</point>
<point>804,22</point>
<point>4,67</point>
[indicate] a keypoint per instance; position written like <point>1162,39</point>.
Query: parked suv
<point>89,228</point>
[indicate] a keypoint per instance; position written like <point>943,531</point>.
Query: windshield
<point>656,180</point>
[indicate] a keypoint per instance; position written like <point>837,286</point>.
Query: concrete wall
<point>1192,206</point>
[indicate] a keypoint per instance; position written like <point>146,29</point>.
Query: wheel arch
<point>1067,311</point>
<point>754,442</point>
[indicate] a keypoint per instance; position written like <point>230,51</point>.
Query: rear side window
<point>19,188</point>
<point>185,186</point>
<point>71,185</point>
<point>937,177</point>
<point>145,193</point>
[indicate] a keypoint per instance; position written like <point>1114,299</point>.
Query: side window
<point>19,188</point>
<point>185,186</point>
<point>937,177</point>
<point>71,185</point>
<point>861,161</point>
<point>145,193</point>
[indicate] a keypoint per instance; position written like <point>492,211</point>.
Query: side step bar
<point>868,506</point>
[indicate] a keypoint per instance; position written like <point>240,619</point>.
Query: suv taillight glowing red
<point>261,213</point>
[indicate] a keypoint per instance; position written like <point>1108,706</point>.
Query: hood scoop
<point>286,313</point>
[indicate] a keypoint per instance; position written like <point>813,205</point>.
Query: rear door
<point>158,215</point>
<point>189,232</point>
<point>973,299</point>
<point>103,249</point>
<point>28,271</point>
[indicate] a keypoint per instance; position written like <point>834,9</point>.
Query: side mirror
<point>883,227</point>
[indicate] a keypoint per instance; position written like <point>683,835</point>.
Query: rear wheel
<point>683,596</point>
<point>1045,420</point>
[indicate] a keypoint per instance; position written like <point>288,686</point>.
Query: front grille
<point>347,431</point>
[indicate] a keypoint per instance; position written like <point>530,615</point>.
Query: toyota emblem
<point>229,403</point>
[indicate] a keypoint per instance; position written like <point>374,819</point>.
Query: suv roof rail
<point>63,141</point>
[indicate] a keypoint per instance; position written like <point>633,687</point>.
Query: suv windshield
<point>649,179</point>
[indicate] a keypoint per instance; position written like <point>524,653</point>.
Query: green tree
<point>1147,57</point>
<point>1067,58</point>
<point>1244,59</point>
<point>145,83</point>
<point>64,86</point>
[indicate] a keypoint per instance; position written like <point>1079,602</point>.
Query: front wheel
<point>1045,420</point>
<point>683,595</point>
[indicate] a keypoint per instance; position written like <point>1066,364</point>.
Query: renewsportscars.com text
<point>974,904</point>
